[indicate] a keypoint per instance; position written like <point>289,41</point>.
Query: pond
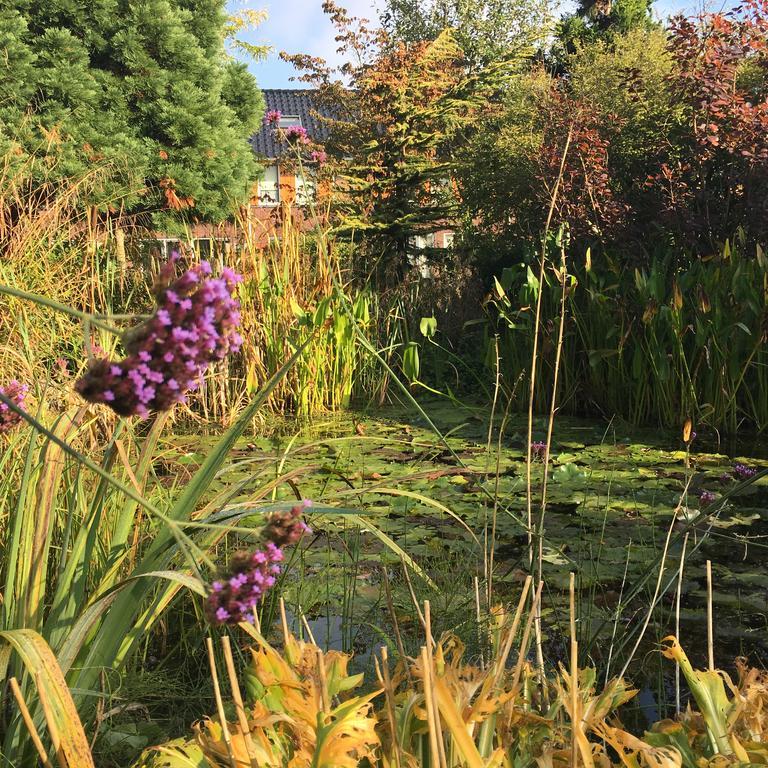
<point>613,492</point>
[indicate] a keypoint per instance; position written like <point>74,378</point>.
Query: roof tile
<point>288,101</point>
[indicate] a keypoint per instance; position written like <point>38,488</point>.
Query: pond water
<point>612,495</point>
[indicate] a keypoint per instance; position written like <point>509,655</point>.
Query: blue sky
<point>296,26</point>
<point>299,26</point>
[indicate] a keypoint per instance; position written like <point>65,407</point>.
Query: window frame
<point>282,123</point>
<point>305,187</point>
<point>271,201</point>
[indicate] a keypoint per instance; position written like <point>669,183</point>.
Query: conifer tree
<point>401,114</point>
<point>141,90</point>
<point>602,20</point>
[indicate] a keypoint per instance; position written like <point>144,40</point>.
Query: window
<point>203,248</point>
<point>197,248</point>
<point>306,187</point>
<point>162,247</point>
<point>418,245</point>
<point>286,121</point>
<point>422,242</point>
<point>269,186</point>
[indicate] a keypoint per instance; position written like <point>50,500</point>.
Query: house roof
<point>289,102</point>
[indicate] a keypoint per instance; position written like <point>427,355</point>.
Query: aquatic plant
<point>301,707</point>
<point>677,338</point>
<point>295,292</point>
<point>438,709</point>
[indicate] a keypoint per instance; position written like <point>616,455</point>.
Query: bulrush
<point>16,392</point>
<point>195,324</point>
<point>233,598</point>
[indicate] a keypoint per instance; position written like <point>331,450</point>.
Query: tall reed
<point>294,292</point>
<point>678,338</point>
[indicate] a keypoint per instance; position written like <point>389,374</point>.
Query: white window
<point>421,242</point>
<point>168,246</point>
<point>209,247</point>
<point>269,186</point>
<point>286,121</point>
<point>306,187</point>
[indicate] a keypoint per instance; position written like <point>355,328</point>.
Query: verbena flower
<point>743,472</point>
<point>286,528</point>
<point>318,156</point>
<point>706,497</point>
<point>194,325</point>
<point>273,117</point>
<point>538,450</point>
<point>234,596</point>
<point>297,134</point>
<point>16,392</point>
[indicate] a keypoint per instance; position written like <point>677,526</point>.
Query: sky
<point>300,26</point>
<point>296,26</point>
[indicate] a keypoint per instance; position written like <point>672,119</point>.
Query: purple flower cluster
<point>706,497</point>
<point>16,392</point>
<point>743,472</point>
<point>234,597</point>
<point>318,156</point>
<point>194,325</point>
<point>538,450</point>
<point>286,528</point>
<point>273,117</point>
<point>297,134</point>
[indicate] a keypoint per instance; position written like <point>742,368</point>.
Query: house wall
<point>260,221</point>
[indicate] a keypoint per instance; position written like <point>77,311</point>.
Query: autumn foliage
<point>576,152</point>
<point>401,112</point>
<point>668,143</point>
<point>720,179</point>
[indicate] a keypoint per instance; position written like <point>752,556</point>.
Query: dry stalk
<point>29,722</point>
<point>220,703</point>
<point>382,672</point>
<point>710,632</point>
<point>238,699</point>
<point>430,705</point>
<point>677,621</point>
<point>532,393</point>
